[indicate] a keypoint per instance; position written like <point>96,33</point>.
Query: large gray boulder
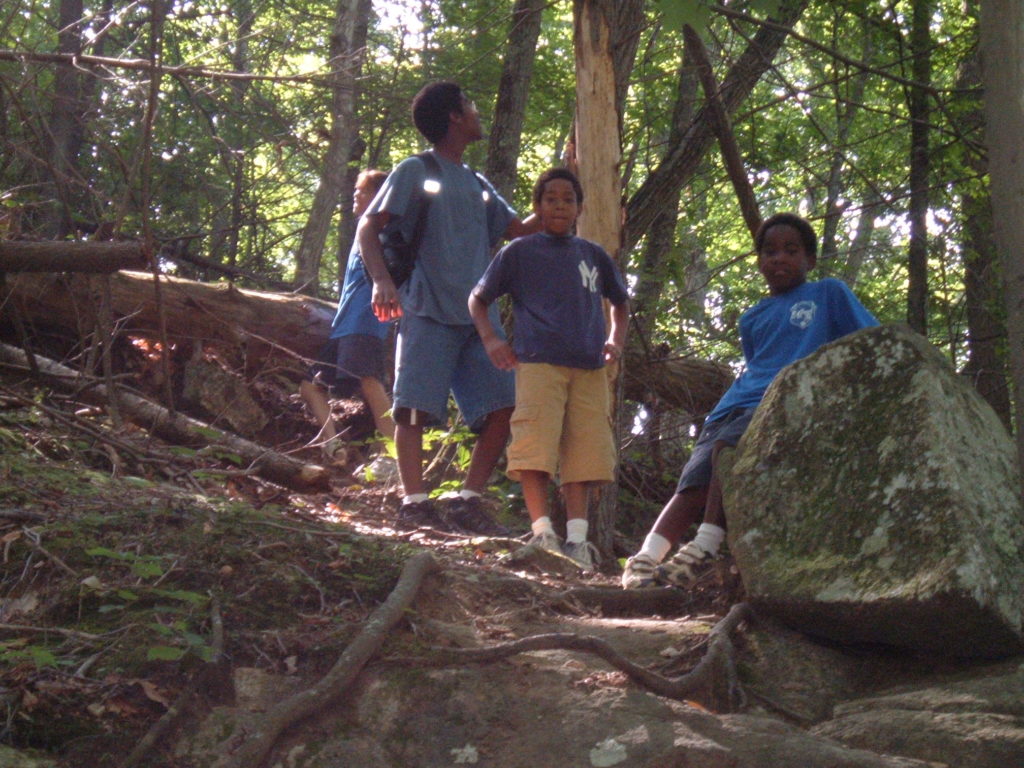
<point>876,498</point>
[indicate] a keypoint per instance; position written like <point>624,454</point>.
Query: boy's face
<point>362,196</point>
<point>467,121</point>
<point>558,208</point>
<point>783,260</point>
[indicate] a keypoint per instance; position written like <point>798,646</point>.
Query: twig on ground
<point>32,539</point>
<point>243,750</point>
<point>161,727</point>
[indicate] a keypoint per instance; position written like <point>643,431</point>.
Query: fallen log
<point>671,383</point>
<point>299,325</point>
<point>216,313</point>
<point>175,427</point>
<point>57,256</point>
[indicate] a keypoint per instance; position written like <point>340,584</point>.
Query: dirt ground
<point>131,569</point>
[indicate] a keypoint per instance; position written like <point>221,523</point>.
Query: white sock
<point>576,530</point>
<point>709,538</point>
<point>542,525</point>
<point>468,494</point>
<point>414,498</point>
<point>655,546</point>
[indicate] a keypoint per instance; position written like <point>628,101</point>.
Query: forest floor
<point>130,568</point>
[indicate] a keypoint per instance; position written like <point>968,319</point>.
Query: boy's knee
<point>412,417</point>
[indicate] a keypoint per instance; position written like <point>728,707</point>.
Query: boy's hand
<point>501,354</point>
<point>612,351</point>
<point>384,300</point>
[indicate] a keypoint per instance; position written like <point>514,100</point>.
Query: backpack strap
<point>433,174</point>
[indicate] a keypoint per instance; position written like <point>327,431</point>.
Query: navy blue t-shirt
<point>556,285</point>
<point>782,329</point>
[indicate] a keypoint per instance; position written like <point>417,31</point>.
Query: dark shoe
<point>469,515</point>
<point>420,514</point>
<point>685,566</point>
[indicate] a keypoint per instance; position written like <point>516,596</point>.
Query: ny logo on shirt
<point>589,276</point>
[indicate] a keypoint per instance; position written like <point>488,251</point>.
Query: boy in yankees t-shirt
<point>561,423</point>
<point>794,320</point>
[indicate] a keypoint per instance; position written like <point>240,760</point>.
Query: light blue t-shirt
<point>556,285</point>
<point>466,219</point>
<point>779,330</point>
<point>355,315</point>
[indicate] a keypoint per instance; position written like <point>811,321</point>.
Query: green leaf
<point>164,653</point>
<point>766,7</point>
<point>182,594</point>
<point>104,552</point>
<point>147,568</point>
<point>677,13</point>
<point>41,656</point>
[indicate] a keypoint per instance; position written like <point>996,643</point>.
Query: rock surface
<point>874,496</point>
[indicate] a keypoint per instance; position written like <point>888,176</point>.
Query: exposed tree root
<point>247,750</point>
<point>713,680</point>
<point>615,601</point>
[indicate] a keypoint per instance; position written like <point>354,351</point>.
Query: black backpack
<point>399,255</point>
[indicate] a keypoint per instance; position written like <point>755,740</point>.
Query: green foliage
<point>234,163</point>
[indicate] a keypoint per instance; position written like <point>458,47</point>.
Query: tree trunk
<point>513,89</point>
<point>917,267</point>
<point>1002,41</point>
<point>678,166</point>
<point>49,256</point>
<point>347,222</point>
<point>600,34</point>
<point>986,331</point>
<point>663,232</point>
<point>344,67</point>
<point>722,128</point>
<point>848,106</point>
<point>65,127</point>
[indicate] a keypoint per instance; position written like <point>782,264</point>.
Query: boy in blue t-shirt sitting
<point>792,322</point>
<point>561,421</point>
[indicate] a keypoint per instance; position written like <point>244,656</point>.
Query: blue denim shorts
<point>434,359</point>
<point>728,429</point>
<point>343,361</point>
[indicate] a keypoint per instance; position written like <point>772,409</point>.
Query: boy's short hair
<point>373,177</point>
<point>432,106</point>
<point>799,223</point>
<point>557,173</point>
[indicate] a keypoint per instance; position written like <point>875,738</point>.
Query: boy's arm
<point>499,350</point>
<point>384,299</point>
<point>616,343</point>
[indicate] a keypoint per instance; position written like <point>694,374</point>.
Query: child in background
<point>794,320</point>
<point>354,357</point>
<point>561,423</point>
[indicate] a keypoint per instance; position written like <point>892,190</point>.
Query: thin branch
<point>144,65</point>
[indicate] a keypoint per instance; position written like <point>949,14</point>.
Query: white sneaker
<point>548,540</point>
<point>639,572</point>
<point>583,553</point>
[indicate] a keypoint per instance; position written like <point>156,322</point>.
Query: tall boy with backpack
<point>439,351</point>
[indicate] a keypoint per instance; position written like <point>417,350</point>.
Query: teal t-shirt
<point>466,219</point>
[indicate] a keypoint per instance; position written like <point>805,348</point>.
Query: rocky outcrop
<point>876,499</point>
